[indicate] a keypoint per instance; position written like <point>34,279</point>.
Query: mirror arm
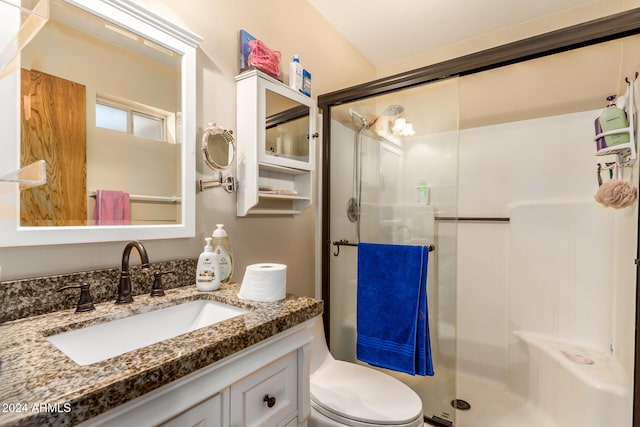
<point>229,183</point>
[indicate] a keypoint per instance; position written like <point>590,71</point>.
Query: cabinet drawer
<point>269,397</point>
<point>209,413</point>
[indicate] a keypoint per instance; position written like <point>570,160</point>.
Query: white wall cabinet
<point>276,139</point>
<point>265,385</point>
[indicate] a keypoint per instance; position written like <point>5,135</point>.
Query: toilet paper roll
<point>264,282</point>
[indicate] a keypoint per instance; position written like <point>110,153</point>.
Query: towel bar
<point>147,198</point>
<point>345,242</point>
<point>472,219</point>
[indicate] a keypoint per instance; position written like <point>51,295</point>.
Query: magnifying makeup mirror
<point>218,147</point>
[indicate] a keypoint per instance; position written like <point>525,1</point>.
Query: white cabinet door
<point>269,397</point>
<point>209,413</point>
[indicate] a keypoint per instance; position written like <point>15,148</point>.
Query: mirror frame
<point>268,84</point>
<point>131,16</point>
<point>212,131</point>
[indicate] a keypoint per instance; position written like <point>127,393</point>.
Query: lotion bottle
<point>295,74</point>
<point>222,247</point>
<point>613,118</point>
<point>208,270</point>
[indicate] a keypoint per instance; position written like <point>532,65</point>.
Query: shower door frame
<point>589,33</point>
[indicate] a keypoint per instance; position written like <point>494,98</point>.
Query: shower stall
<point>531,286</point>
<point>394,180</point>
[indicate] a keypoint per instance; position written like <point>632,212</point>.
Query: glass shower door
<point>394,162</point>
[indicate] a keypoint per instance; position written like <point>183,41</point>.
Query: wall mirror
<point>105,94</point>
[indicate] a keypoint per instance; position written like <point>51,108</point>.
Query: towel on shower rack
<point>112,207</point>
<point>392,317</point>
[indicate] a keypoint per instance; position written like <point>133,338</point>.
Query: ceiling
<point>386,31</point>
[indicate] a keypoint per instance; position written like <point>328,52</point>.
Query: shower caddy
<point>626,153</point>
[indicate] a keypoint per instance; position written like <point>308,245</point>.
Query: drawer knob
<point>271,401</point>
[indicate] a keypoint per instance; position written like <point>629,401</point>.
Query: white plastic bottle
<point>222,247</point>
<point>208,270</point>
<point>295,74</point>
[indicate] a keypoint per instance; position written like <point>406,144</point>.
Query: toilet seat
<point>359,396</point>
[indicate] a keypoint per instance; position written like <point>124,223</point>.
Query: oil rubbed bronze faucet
<point>124,288</point>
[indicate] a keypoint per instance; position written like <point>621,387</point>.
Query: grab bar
<point>472,219</point>
<point>345,242</point>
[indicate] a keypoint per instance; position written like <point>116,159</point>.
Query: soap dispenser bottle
<point>613,118</point>
<point>208,270</point>
<point>222,247</point>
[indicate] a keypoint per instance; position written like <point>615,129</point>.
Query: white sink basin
<point>104,340</point>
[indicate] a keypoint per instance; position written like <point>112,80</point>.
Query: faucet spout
<point>124,288</point>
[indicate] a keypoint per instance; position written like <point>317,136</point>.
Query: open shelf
<point>281,197</point>
<point>278,168</point>
<point>626,150</point>
<point>259,211</point>
<point>29,176</point>
<point>20,21</point>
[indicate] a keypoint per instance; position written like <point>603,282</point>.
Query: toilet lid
<point>363,394</point>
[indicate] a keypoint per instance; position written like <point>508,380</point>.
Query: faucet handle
<point>85,303</point>
<point>156,289</point>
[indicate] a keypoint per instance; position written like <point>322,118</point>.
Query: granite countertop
<point>39,385</point>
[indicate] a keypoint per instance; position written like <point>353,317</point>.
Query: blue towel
<point>392,318</point>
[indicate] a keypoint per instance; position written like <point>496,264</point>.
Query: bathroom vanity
<point>249,370</point>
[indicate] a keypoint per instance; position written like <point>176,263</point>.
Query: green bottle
<point>613,118</point>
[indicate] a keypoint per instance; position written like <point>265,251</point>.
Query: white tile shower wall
<point>433,159</point>
<point>342,169</point>
<point>482,299</point>
<point>551,158</point>
<point>546,159</point>
<point>560,271</point>
<point>624,286</point>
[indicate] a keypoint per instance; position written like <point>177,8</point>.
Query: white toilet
<point>347,394</point>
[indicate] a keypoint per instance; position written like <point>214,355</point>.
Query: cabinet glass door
<point>287,131</point>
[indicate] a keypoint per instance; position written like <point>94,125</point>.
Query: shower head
<point>390,111</point>
<point>354,113</point>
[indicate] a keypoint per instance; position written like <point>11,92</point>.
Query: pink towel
<point>112,208</point>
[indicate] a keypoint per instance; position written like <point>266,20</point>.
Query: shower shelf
<point>627,151</point>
